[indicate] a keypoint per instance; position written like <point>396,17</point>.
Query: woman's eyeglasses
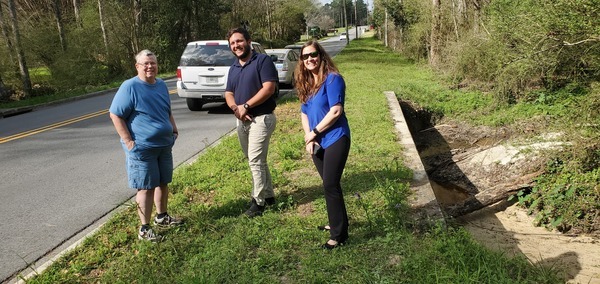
<point>313,54</point>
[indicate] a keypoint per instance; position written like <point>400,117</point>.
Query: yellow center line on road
<point>52,126</point>
<point>59,124</point>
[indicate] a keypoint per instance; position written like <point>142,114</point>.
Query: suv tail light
<point>285,66</point>
<point>178,74</point>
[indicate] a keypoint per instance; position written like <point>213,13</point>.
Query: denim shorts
<point>148,168</point>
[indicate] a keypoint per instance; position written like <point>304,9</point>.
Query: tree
<point>436,35</point>
<point>5,34</point>
<point>324,22</point>
<point>19,50</point>
<point>137,22</point>
<point>3,91</point>
<point>102,27</point>
<point>76,12</point>
<point>59,25</point>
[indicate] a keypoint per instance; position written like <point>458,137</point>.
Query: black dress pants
<point>330,164</point>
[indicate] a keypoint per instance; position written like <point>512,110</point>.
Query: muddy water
<point>448,194</point>
<point>437,151</point>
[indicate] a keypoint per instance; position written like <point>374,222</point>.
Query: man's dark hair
<point>240,30</point>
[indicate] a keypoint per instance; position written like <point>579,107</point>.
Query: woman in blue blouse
<point>322,90</point>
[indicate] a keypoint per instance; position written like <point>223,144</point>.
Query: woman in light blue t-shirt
<point>322,90</point>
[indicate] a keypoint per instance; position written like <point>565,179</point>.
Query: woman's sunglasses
<point>313,54</point>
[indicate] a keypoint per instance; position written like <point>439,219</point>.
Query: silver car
<point>295,47</point>
<point>285,64</point>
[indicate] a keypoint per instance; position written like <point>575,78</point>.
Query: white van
<point>203,69</point>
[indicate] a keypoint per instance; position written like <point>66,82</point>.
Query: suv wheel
<point>194,104</point>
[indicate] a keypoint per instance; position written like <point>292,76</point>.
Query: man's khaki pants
<point>254,138</point>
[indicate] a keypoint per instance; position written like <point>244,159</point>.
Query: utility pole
<point>346,23</point>
<point>367,16</point>
<point>355,19</point>
<point>385,27</point>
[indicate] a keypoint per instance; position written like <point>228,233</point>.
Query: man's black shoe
<point>268,201</point>
<point>254,210</point>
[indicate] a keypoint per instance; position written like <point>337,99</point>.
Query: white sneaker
<point>148,235</point>
<point>167,221</point>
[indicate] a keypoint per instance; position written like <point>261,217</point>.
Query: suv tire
<point>194,104</point>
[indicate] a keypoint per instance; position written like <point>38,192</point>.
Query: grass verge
<point>219,245</point>
<point>61,95</point>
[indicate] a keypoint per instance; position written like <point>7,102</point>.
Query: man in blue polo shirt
<point>251,83</point>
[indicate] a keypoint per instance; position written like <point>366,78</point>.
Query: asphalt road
<point>68,171</point>
<point>63,174</point>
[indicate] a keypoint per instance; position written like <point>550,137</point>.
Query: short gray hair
<point>143,53</point>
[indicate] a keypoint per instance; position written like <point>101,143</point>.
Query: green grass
<point>39,74</point>
<point>219,245</point>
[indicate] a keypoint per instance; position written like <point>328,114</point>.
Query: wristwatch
<point>246,106</point>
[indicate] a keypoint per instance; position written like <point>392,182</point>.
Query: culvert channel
<point>437,150</point>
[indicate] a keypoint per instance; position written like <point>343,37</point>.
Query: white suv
<point>203,69</point>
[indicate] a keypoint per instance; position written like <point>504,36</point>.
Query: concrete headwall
<point>423,200</point>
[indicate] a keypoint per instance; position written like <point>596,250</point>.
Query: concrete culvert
<point>471,167</point>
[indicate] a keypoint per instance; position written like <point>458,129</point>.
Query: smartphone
<point>317,149</point>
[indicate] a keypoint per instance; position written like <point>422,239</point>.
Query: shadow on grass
<point>352,184</point>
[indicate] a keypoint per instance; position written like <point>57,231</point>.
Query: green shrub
<point>566,197</point>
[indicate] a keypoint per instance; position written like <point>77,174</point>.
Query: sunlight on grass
<point>219,245</point>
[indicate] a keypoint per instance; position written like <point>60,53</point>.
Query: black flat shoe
<point>327,246</point>
<point>324,228</point>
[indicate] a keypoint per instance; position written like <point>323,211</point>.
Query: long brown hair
<point>306,84</point>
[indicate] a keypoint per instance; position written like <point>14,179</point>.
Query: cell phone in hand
<point>317,149</point>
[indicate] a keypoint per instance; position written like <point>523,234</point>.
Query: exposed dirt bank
<point>475,169</point>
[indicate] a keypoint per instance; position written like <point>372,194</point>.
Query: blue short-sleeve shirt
<point>146,109</point>
<point>332,92</point>
<point>245,81</point>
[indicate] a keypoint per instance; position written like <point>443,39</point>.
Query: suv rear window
<point>280,55</point>
<point>207,55</point>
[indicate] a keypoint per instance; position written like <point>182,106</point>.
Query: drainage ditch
<point>468,167</point>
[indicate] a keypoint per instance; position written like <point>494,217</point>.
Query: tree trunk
<point>455,17</point>
<point>3,91</point>
<point>59,25</point>
<point>20,55</point>
<point>477,15</point>
<point>137,16</point>
<point>76,12</point>
<point>436,26</point>
<point>492,195</point>
<point>6,36</point>
<point>104,35</point>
